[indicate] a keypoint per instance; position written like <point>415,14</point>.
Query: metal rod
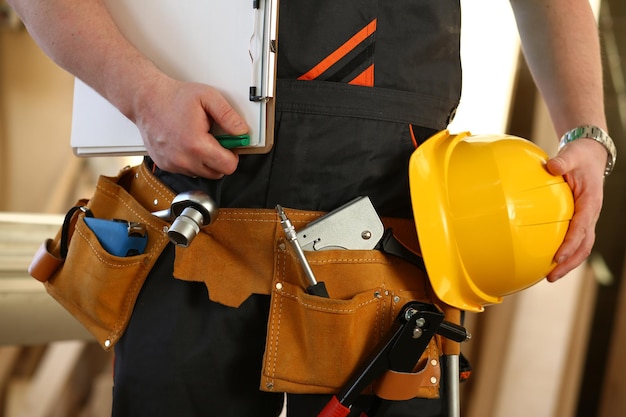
<point>454,400</point>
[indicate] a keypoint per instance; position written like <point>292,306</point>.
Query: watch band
<point>597,134</point>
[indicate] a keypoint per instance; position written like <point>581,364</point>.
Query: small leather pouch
<point>315,344</point>
<point>96,287</point>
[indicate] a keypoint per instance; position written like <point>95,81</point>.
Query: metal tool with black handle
<point>315,287</point>
<point>400,351</point>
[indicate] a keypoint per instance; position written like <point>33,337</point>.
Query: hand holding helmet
<point>581,163</point>
<point>489,215</point>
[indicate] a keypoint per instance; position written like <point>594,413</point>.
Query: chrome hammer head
<point>189,212</point>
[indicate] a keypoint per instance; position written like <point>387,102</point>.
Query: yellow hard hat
<point>489,215</point>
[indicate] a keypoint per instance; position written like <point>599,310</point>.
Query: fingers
<point>583,172</point>
<point>557,166</point>
<point>223,114</point>
<point>195,155</point>
<point>576,246</point>
<point>175,128</point>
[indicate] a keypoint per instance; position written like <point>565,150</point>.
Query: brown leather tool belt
<point>313,344</point>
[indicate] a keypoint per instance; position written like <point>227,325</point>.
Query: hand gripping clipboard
<point>228,44</point>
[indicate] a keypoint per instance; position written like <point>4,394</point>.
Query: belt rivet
<point>433,380</point>
<point>282,246</point>
<point>269,385</point>
<point>433,362</point>
<point>155,202</point>
<point>279,286</point>
<point>107,343</point>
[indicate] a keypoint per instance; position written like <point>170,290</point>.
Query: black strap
<point>391,245</point>
<point>67,222</point>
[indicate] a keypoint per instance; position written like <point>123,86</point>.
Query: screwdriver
<point>314,288</point>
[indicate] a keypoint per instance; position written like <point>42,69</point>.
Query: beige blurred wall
<point>38,170</point>
<point>35,106</point>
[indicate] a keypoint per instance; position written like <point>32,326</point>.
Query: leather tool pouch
<point>98,288</point>
<point>313,344</point>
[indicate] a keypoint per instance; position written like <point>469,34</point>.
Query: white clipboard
<point>228,44</point>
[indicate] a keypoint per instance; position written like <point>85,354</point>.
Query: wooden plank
<point>51,377</point>
<point>28,315</point>
<point>8,358</point>
<point>538,348</point>
<point>20,237</point>
<point>100,400</point>
<point>577,348</point>
<point>488,350</point>
<point>613,401</point>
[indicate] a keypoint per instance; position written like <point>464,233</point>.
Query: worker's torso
<point>353,76</point>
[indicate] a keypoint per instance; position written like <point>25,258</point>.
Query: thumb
<point>224,114</point>
<point>557,165</point>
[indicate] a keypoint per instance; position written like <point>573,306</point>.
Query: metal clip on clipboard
<point>262,49</point>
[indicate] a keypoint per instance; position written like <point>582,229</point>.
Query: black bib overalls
<point>360,85</point>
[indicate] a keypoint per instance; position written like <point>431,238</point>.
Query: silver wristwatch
<point>597,134</point>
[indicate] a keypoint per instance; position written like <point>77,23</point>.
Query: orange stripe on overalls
<point>340,52</point>
<point>366,78</point>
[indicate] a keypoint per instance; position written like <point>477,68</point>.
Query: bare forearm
<point>81,37</point>
<point>561,46</point>
<point>173,116</point>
